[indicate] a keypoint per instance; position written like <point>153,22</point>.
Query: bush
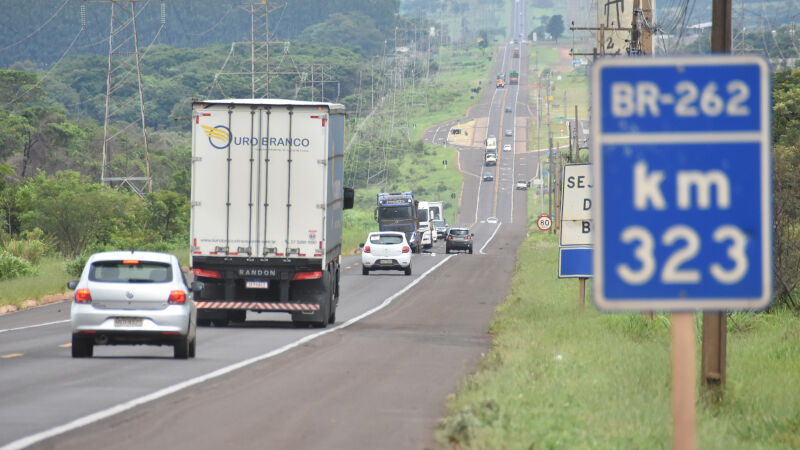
<point>13,266</point>
<point>32,251</point>
<point>74,266</point>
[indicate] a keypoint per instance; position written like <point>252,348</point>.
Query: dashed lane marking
<point>11,355</point>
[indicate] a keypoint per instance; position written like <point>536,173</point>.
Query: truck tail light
<point>366,249</point>
<point>469,237</point>
<point>207,273</point>
<point>83,296</point>
<point>307,275</point>
<point>449,238</point>
<point>177,298</point>
<point>405,249</point>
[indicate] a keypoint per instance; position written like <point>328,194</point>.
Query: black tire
<point>447,249</point>
<point>408,270</point>
<point>470,250</point>
<point>82,348</point>
<point>182,348</point>
<point>193,348</point>
<point>364,271</point>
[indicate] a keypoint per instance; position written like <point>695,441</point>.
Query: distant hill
<point>42,30</point>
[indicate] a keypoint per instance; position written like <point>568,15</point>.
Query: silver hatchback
<point>132,298</point>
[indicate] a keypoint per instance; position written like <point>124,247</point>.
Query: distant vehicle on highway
<point>508,109</point>
<point>441,228</point>
<point>133,298</point>
<point>458,238</point>
<point>491,159</point>
<point>507,147</point>
<point>491,220</point>
<point>508,133</point>
<point>488,176</point>
<point>522,185</point>
<point>386,250</point>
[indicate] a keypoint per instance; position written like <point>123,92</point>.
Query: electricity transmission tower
<point>262,67</point>
<point>125,163</point>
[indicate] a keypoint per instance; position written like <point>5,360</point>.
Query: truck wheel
<point>470,250</point>
<point>238,316</point>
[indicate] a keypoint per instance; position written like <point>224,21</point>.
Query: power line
<point>39,28</point>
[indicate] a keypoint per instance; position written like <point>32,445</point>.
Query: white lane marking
<point>484,245</point>
<point>35,326</point>
<point>130,404</point>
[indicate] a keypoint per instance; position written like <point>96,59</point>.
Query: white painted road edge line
<point>35,326</point>
<point>487,242</point>
<point>130,404</point>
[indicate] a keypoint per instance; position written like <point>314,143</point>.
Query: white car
<point>507,148</point>
<point>132,298</point>
<point>386,250</point>
<point>522,185</point>
<point>491,220</point>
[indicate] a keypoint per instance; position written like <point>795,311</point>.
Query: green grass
<point>50,278</point>
<point>556,378</point>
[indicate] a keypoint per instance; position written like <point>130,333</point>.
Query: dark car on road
<point>458,238</point>
<point>488,176</point>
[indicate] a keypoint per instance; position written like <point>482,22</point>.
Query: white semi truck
<point>267,199</point>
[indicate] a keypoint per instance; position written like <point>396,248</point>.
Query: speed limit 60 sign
<point>682,183</point>
<point>544,222</point>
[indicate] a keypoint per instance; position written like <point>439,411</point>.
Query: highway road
<point>378,378</point>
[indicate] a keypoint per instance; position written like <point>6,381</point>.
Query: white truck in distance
<point>267,200</point>
<point>427,231</point>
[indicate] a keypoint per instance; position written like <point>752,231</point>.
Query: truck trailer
<point>267,197</point>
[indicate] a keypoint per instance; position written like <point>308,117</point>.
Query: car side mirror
<point>72,284</point>
<point>197,287</point>
<point>472,235</point>
<point>349,198</point>
<point>361,245</point>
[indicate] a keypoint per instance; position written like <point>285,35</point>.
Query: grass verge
<point>556,378</point>
<point>50,278</point>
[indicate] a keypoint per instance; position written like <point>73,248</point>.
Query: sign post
<point>575,251</point>
<point>682,192</point>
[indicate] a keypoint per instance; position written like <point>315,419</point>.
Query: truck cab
<point>398,211</point>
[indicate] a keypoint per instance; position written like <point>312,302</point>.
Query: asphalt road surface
<point>378,378</point>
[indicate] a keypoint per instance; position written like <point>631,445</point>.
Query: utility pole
<point>714,350</point>
<point>123,60</point>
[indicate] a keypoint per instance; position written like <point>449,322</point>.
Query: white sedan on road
<point>507,148</point>
<point>386,250</point>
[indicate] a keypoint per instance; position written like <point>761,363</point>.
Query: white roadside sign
<point>576,205</point>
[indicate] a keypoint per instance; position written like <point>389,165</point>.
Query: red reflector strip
<point>88,332</point>
<point>207,273</point>
<point>212,253</point>
<point>301,254</point>
<point>262,306</point>
<point>234,253</point>
<point>279,254</point>
<point>197,253</point>
<point>170,333</point>
<point>317,254</point>
<point>315,117</point>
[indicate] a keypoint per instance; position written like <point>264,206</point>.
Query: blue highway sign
<point>575,262</point>
<point>682,184</point>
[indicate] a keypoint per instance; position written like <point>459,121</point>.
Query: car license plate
<point>256,284</point>
<point>126,322</point>
<point>386,261</point>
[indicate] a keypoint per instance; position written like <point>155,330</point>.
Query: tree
<point>555,26</point>
<point>77,212</point>
<point>346,30</point>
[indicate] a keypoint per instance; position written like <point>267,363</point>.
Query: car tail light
<point>177,298</point>
<point>449,238</point>
<point>130,261</point>
<point>307,276</point>
<point>406,249</point>
<point>366,249</point>
<point>469,237</point>
<point>83,296</point>
<point>207,273</point>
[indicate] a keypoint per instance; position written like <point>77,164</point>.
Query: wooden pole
<point>683,382</point>
<point>582,282</point>
<point>712,366</point>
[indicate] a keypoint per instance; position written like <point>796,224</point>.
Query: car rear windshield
<point>130,272</point>
<point>386,239</point>
<point>459,232</point>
